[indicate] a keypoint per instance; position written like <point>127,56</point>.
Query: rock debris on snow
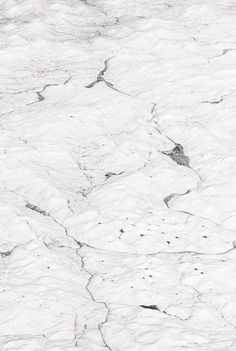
<point>177,155</point>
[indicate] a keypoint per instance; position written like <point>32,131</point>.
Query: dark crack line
<point>87,3</point>
<point>91,276</point>
<point>156,127</point>
<point>156,308</point>
<point>217,309</point>
<point>191,252</point>
<point>213,102</point>
<point>100,75</point>
<point>224,52</point>
<point>88,178</point>
<point>177,153</point>
<point>86,191</point>
<point>175,316</point>
<point>111,174</point>
<point>39,94</point>
<point>172,196</point>
<point>100,78</point>
<point>69,206</point>
<point>7,113</point>
<point>40,97</point>
<point>122,253</point>
<point>33,89</point>
<point>224,318</point>
<point>36,209</point>
<point>7,253</point>
<point>47,214</point>
<point>178,156</point>
<point>101,324</point>
<point>17,92</point>
<point>150,307</point>
<point>76,331</point>
<point>201,217</point>
<point>67,80</point>
<point>78,336</point>
<point>227,50</point>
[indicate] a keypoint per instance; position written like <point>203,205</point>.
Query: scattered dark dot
<point>195,269</point>
<point>150,275</point>
<point>204,236</point>
<point>121,230</point>
<point>141,234</point>
<point>168,242</point>
<point>202,273</point>
<point>177,237</point>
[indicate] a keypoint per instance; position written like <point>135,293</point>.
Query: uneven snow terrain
<point>118,175</point>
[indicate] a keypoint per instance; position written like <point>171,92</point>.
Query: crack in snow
<point>7,253</point>
<point>39,94</point>
<point>102,323</point>
<point>78,336</point>
<point>156,308</point>
<point>177,153</point>
<point>111,174</point>
<point>213,102</point>
<point>100,78</point>
<point>172,196</point>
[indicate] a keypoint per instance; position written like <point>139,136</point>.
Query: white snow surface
<point>106,242</point>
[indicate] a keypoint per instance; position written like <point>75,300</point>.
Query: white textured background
<point>86,237</point>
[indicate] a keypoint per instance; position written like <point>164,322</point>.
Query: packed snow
<point>118,175</point>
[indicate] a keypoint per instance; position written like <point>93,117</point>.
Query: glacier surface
<point>118,175</point>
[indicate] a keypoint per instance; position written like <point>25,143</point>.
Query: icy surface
<point>118,175</point>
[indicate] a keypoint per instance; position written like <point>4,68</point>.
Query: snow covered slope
<point>118,175</point>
